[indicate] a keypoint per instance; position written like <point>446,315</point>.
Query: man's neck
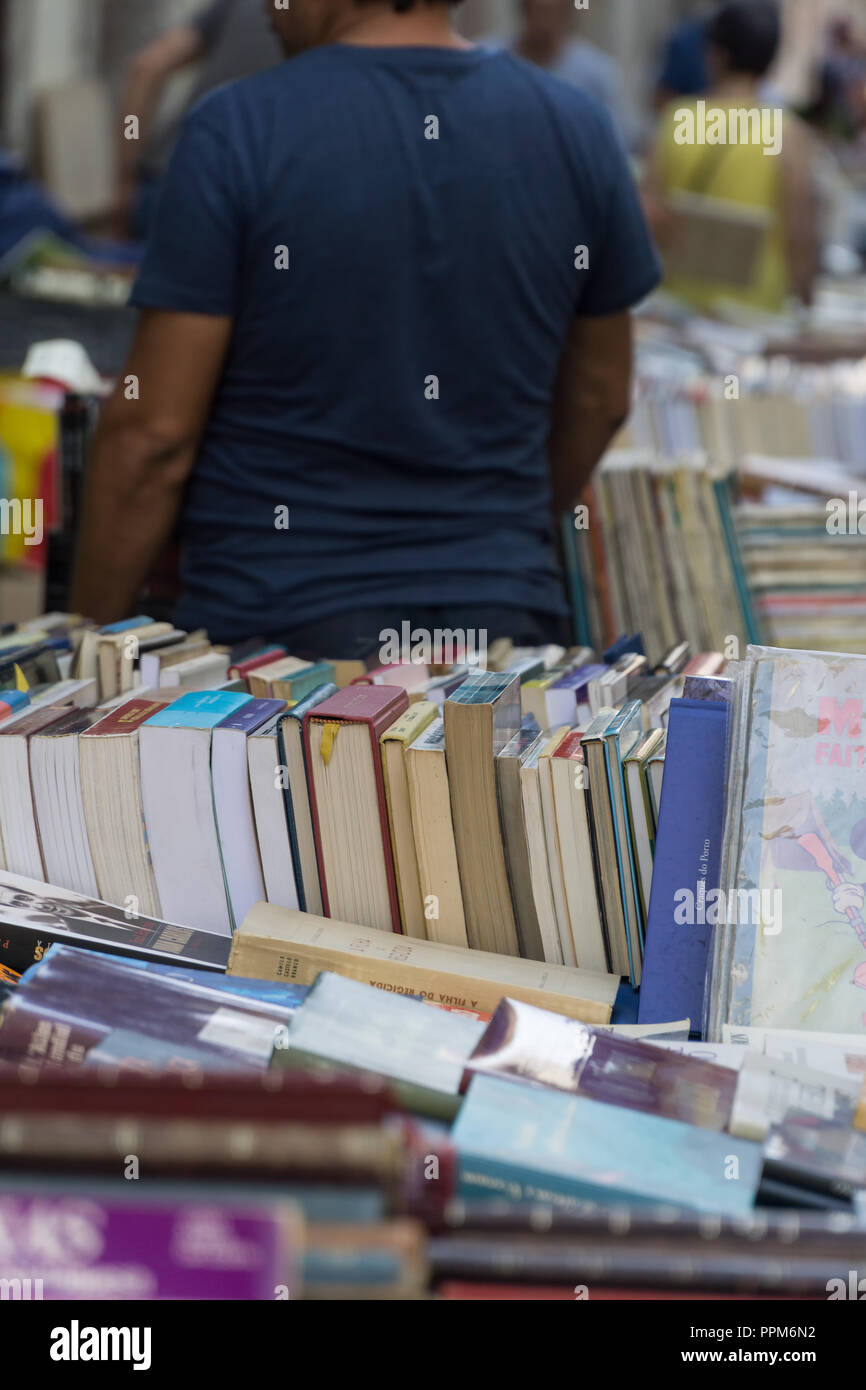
<point>426,26</point>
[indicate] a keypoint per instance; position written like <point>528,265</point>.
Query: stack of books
<point>507,1156</point>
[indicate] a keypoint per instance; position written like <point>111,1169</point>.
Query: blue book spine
<point>623,646</point>
<point>687,857</point>
<point>126,625</point>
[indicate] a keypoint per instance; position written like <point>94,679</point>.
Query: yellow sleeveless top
<point>738,174</point>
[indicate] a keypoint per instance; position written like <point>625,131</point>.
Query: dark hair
<point>748,32</point>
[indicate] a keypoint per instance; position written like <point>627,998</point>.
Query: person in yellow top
<point>732,154</point>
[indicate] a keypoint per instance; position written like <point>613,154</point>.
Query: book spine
<point>290,821</point>
<point>169,1144</point>
<point>665,1266</point>
<point>261,959</point>
<point>31,1033</point>
<point>482,1179</point>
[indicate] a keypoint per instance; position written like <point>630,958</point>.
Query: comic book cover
<point>796,904</point>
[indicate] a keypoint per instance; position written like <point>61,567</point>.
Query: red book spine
<point>252,663</point>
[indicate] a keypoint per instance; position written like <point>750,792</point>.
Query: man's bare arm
<point>143,454</point>
<point>142,89</point>
<point>592,401</point>
<point>800,209</point>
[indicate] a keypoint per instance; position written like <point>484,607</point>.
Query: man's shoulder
<point>292,77</point>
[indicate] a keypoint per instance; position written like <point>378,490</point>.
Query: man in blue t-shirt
<point>384,341</point>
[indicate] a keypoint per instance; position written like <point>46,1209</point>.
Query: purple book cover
<point>72,1001</point>
<point>579,677</point>
<point>532,1044</point>
<point>252,715</point>
<point>85,1247</point>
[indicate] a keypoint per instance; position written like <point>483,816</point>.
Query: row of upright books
<point>517,815</point>
<point>653,549</point>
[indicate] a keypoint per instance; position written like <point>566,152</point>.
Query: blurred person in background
<point>230,39</point>
<point>545,36</point>
<point>841,105</point>
<point>385,339</point>
<point>743,41</point>
<point>685,66</point>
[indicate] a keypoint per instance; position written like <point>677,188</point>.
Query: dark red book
<point>241,669</point>
<point>348,805</point>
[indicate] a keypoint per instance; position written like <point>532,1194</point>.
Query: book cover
<point>686,864</point>
<point>275,944</point>
<point>75,998</point>
<point>797,944</point>
<point>530,1144</point>
<point>536,1045</point>
<point>133,1247</point>
<point>350,1023</point>
<point>200,709</point>
<point>251,715</point>
<point>33,916</point>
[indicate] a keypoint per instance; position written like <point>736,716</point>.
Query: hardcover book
<point>347,796</point>
<point>530,1144</point>
<point>686,864</point>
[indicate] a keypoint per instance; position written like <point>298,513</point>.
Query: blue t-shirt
<point>394,232</point>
